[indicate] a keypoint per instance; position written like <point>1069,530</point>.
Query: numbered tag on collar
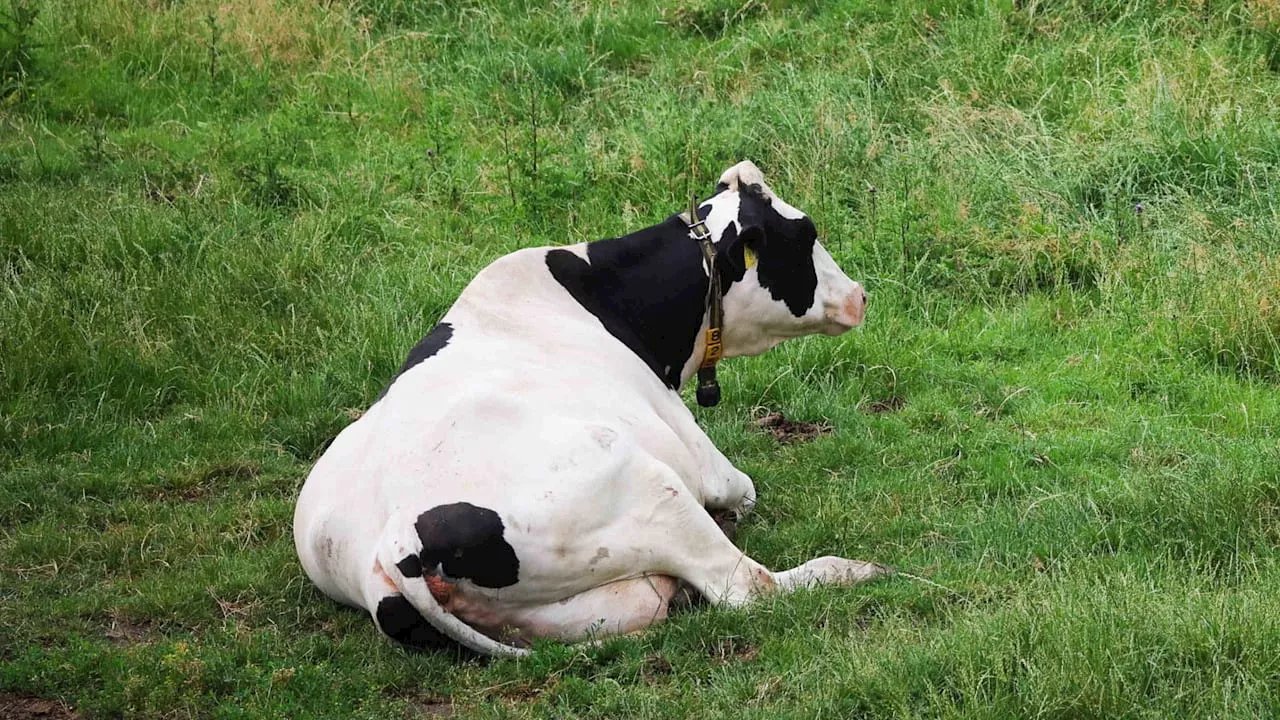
<point>715,350</point>
<point>749,257</point>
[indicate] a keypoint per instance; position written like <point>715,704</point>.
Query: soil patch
<point>21,707</point>
<point>432,708</point>
<point>123,631</point>
<point>203,484</point>
<point>655,668</point>
<point>232,471</point>
<point>424,705</point>
<point>733,649</point>
<point>888,405</point>
<point>789,432</point>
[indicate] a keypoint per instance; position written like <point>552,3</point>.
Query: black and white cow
<point>532,472</point>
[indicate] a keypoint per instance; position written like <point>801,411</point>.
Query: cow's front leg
<point>697,551</point>
<point>727,493</point>
<point>729,489</point>
<point>712,478</point>
<point>725,490</point>
<point>735,499</point>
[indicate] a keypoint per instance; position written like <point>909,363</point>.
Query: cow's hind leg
<point>616,608</point>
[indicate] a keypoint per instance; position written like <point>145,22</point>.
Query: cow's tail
<point>415,590</point>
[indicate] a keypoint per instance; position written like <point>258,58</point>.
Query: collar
<point>708,386</point>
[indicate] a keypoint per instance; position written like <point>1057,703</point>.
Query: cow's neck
<point>648,289</point>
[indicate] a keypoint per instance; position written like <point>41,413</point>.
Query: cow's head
<point>784,284</point>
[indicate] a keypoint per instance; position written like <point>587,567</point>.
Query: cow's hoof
<point>830,570</point>
<point>857,571</point>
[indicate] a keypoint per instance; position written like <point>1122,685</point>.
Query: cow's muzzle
<point>849,313</point>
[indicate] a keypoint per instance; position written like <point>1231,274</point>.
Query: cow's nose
<point>850,312</point>
<point>856,305</point>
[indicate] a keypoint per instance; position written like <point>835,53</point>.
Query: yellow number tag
<point>749,256</point>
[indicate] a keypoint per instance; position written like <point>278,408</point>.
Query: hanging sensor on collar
<point>708,387</point>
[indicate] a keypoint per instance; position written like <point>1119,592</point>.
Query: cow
<point>532,470</point>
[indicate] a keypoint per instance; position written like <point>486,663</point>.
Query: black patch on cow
<point>731,262</point>
<point>785,257</point>
<point>648,289</point>
<point>432,343</point>
<point>410,566</point>
<point>467,542</point>
<point>402,623</point>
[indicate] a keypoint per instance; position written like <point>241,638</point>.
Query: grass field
<point>223,224</point>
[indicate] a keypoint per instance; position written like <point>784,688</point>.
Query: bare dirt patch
<point>888,405</point>
<point>21,707</point>
<point>424,705</point>
<point>527,691</point>
<point>655,668</point>
<point>123,630</point>
<point>733,649</point>
<point>432,708</point>
<point>202,484</point>
<point>789,432</point>
<point>232,471</point>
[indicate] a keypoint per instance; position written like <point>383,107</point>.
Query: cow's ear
<point>746,248</point>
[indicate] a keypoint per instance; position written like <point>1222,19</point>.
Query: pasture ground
<point>222,225</point>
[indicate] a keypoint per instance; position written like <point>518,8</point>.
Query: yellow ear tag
<point>749,257</point>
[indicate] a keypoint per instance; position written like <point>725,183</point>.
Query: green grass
<point>222,225</point>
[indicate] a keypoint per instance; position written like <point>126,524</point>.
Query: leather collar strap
<point>708,386</point>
